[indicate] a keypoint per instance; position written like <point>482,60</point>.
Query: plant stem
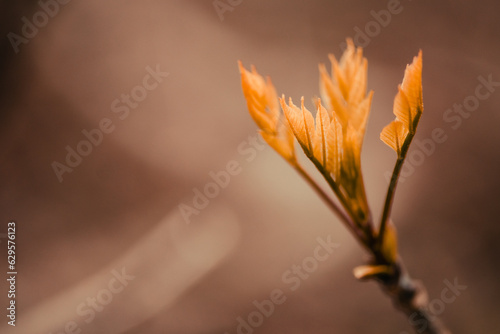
<point>328,178</point>
<point>344,218</point>
<point>389,199</point>
<point>410,297</point>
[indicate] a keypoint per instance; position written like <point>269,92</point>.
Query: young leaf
<point>320,142</point>
<point>408,107</point>
<point>370,271</point>
<point>263,106</point>
<point>301,122</point>
<point>335,144</point>
<point>394,135</point>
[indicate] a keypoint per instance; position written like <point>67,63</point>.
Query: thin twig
<point>389,199</point>
<point>344,218</point>
<point>334,186</point>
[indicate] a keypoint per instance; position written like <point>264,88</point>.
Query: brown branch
<point>410,297</point>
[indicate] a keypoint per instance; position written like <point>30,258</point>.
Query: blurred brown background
<point>119,208</point>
